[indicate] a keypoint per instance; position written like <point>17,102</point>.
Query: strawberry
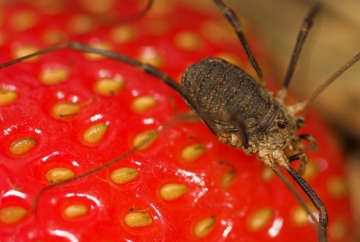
<point>66,112</point>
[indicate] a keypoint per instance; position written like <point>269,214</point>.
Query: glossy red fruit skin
<point>59,143</point>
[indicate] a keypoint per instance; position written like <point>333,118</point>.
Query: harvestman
<point>248,117</point>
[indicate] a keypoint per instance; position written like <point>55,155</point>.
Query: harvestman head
<point>246,140</point>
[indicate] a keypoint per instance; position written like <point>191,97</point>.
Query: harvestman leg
<point>303,32</point>
<point>235,23</point>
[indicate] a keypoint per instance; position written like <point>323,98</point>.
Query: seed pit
<point>337,187</point>
<point>65,109</point>
<point>145,139</point>
<point>172,191</point>
<point>204,227</point>
<point>75,210</point>
<point>188,41</point>
<point>59,174</point>
<point>123,175</point>
<point>23,20</point>
<point>137,219</point>
<point>258,219</point>
<point>108,86</point>
<point>12,214</point>
<point>7,96</point>
<point>192,152</point>
<point>80,24</point>
<point>143,103</point>
<point>22,145</point>
<point>95,133</point>
<point>55,75</point>
<point>123,34</point>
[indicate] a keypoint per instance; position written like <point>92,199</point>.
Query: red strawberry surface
<point>66,112</point>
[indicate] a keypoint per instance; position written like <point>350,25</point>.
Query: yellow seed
<point>311,171</point>
<point>299,216</point>
<point>22,145</point>
<point>267,174</point>
<point>172,191</point>
<point>337,188</point>
<point>123,33</point>
<point>108,86</point>
<point>25,50</point>
<point>150,56</point>
<point>211,30</point>
<point>59,174</point>
<point>227,178</point>
<point>258,219</point>
<point>53,76</point>
<point>123,175</point>
<point>204,227</point>
<point>137,219</point>
<point>102,46</point>
<point>54,36</point>
<point>7,96</point>
<point>65,109</point>
<point>80,24</point>
<point>188,41</point>
<point>217,31</point>
<point>95,133</point>
<point>98,6</point>
<point>229,57</point>
<point>192,152</point>
<point>143,103</point>
<point>338,230</point>
<point>75,210</point>
<point>12,214</point>
<point>145,139</point>
<point>23,20</point>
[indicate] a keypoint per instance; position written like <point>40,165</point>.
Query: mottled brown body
<point>228,96</point>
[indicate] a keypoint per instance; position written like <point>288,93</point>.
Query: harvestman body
<point>237,109</point>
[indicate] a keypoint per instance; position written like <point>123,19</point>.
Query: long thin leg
<point>235,23</point>
<point>323,216</point>
<point>303,32</point>
<point>298,197</point>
